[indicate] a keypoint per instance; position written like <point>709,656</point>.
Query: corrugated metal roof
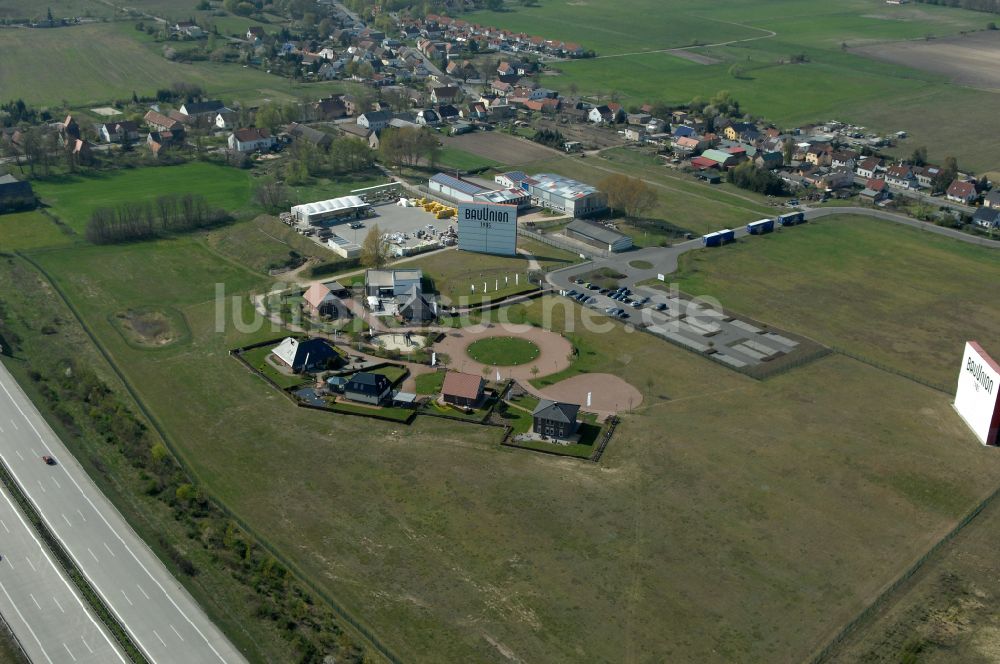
<point>595,232</point>
<point>562,186</point>
<point>457,184</point>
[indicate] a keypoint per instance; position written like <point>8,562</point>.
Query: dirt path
<point>769,35</point>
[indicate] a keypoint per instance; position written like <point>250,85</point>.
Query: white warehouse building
<point>566,195</point>
<point>330,211</point>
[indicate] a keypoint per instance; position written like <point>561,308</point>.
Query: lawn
<point>454,274</point>
<point>502,351</point>
<point>455,159</point>
<point>837,280</point>
<point>707,533</point>
<point>429,383</point>
<point>74,197</point>
<point>31,230</point>
<point>393,372</point>
<point>257,357</point>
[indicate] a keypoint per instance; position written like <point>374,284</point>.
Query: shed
<point>598,236</point>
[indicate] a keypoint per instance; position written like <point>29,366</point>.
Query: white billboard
<point>977,398</point>
<point>489,228</point>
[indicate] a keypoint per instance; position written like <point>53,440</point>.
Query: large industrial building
<point>462,191</point>
<point>596,235</point>
<point>565,195</point>
<point>330,211</point>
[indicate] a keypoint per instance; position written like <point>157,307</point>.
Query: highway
<point>163,620</point>
<point>41,605</point>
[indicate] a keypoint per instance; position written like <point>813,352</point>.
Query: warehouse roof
<point>332,205</point>
<point>458,184</point>
<point>503,196</point>
<point>562,186</point>
<point>601,234</point>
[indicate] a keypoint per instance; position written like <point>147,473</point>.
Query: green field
<point>648,527</point>
<point>30,230</point>
<point>452,274</point>
<point>455,159</point>
<point>502,351</point>
<point>835,83</point>
<point>895,295</point>
<point>74,197</point>
<point>96,63</point>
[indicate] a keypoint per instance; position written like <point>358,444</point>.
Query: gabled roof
<point>199,107</point>
<point>318,294</point>
<point>295,353</point>
<point>367,383</point>
<point>962,189</point>
<point>461,385</point>
<point>556,411</point>
<point>251,134</point>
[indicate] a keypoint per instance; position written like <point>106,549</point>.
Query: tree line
<point>991,6</point>
<point>171,213</point>
<point>748,176</point>
<point>406,146</point>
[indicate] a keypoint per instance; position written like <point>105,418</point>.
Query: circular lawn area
<point>502,351</point>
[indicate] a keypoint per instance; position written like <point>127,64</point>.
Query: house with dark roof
<point>444,95</point>
<point>987,217</point>
<point>367,387</point>
<point>210,108</point>
<point>992,199</point>
<point>118,132</point>
<point>901,175</point>
<point>15,194</point>
<point>415,308</point>
<point>314,136</point>
<point>375,120</point>
<point>462,389</point>
<point>304,355</point>
<point>554,419</point>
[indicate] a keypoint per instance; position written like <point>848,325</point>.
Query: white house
<point>116,132</point>
<point>224,119</point>
<point>375,120</point>
<point>251,140</point>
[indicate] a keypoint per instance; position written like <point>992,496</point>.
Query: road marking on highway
<point>158,636</point>
<point>6,529</point>
<point>14,424</point>
<point>177,633</point>
<point>33,569</point>
<point>1,429</point>
<point>19,455</point>
<point>127,599</point>
<point>120,539</point>
<point>33,452</point>
<point>40,486</point>
<point>142,591</point>
<point>26,624</point>
<point>109,549</point>
<point>69,651</point>
<point>87,645</point>
<point>59,605</point>
<point>10,563</point>
<point>81,515</point>
<point>72,591</point>
<point>66,520</point>
<point>56,482</point>
<point>92,555</point>
<point>35,601</point>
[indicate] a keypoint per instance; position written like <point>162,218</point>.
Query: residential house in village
<point>15,194</point>
<point>869,167</point>
<point>375,120</point>
<point>606,113</point>
<point>119,132</point>
<point>769,160</point>
<point>961,191</point>
<point>461,389</point>
<point>992,199</point>
<point>987,218</point>
<point>875,191</point>
<point>926,175</point>
<point>315,137</point>
<point>159,122</point>
<point>251,139</point>
<point>901,176</point>
<point>555,419</point>
<point>843,159</point>
<point>445,95</point>
<point>158,141</point>
<point>819,154</point>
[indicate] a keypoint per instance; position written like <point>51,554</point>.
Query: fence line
<point>877,603</point>
<point>888,369</point>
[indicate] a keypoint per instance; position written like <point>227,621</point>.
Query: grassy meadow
<point>648,528</point>
<point>834,83</point>
<point>99,62</point>
<point>895,295</point>
<point>73,197</point>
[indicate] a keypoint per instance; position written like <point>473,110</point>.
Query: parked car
<point>660,307</point>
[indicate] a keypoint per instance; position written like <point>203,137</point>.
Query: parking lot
<point>407,228</point>
<point>690,323</point>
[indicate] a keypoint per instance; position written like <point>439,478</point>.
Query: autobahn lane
<point>163,620</point>
<point>39,603</point>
